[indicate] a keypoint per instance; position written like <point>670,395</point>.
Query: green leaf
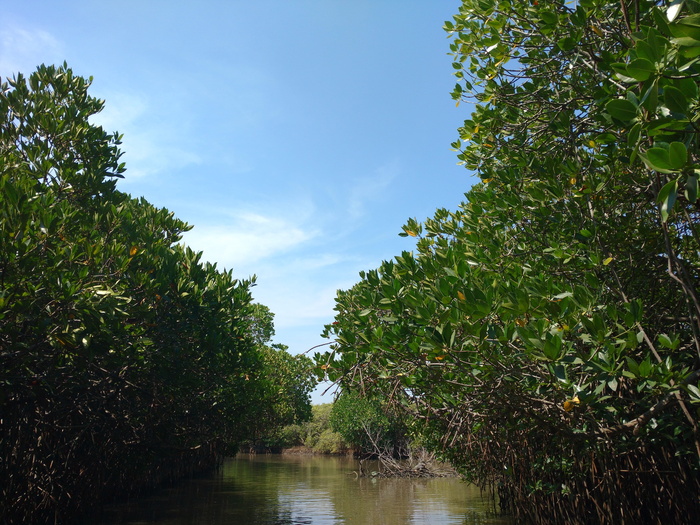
<point>621,109</point>
<point>633,135</point>
<point>552,348</point>
<point>660,20</point>
<point>665,341</point>
<point>692,21</point>
<point>650,99</point>
<point>567,43</point>
<point>549,18</point>
<point>675,100</point>
<point>691,51</point>
<point>621,71</point>
<point>632,340</point>
<point>645,50</point>
<point>685,28</point>
<point>688,87</point>
<point>667,198</point>
<point>677,155</point>
<point>559,372</point>
<point>640,69</point>
<point>657,159</point>
<point>691,187</point>
<point>664,125</point>
<point>686,42</point>
<point>645,367</point>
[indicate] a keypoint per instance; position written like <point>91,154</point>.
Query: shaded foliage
<point>124,359</point>
<point>368,426</point>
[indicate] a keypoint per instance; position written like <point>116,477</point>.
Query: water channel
<point>296,490</point>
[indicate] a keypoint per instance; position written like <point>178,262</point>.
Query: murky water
<point>296,490</point>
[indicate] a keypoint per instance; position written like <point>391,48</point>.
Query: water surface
<point>296,490</point>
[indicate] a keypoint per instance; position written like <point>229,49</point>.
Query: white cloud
<point>150,146</point>
<point>304,305</point>
<point>300,293</point>
<point>22,50</point>
<point>241,239</point>
<point>121,109</point>
<point>298,272</point>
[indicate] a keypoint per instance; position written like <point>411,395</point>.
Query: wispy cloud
<point>301,291</point>
<point>21,49</point>
<point>298,270</point>
<point>152,146</point>
<point>371,188</point>
<point>241,239</point>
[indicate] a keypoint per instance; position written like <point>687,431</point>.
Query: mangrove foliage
<point>547,332</point>
<point>125,360</point>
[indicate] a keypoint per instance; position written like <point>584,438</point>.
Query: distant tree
<point>318,434</point>
<point>548,331</point>
<point>368,426</point>
<point>280,394</point>
<point>261,322</point>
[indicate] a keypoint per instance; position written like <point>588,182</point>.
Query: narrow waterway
<point>296,490</point>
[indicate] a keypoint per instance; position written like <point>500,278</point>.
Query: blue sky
<point>296,136</point>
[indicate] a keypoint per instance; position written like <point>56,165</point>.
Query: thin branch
<point>638,422</point>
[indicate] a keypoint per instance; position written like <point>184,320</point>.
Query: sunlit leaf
<point>673,9</point>
<point>677,155</point>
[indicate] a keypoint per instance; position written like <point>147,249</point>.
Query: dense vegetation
<point>369,426</point>
<point>125,360</point>
<point>350,425</point>
<point>315,435</point>
<point>547,333</point>
<point>281,392</point>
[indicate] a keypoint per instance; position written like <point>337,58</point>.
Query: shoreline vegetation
<point>126,361</point>
<point>544,336</point>
<point>356,427</point>
<point>543,339</point>
<point>421,464</point>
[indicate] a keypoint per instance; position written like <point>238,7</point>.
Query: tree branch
<point>638,422</point>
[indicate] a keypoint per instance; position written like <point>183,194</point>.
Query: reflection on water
<point>295,490</point>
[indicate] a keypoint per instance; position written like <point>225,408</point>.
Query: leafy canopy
<point>124,359</point>
<point>548,328</point>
